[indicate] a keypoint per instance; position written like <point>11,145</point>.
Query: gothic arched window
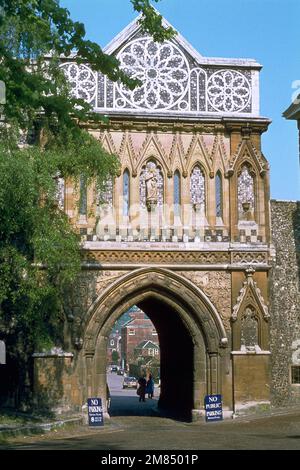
<point>126,192</point>
<point>82,196</point>
<point>197,188</point>
<point>60,192</point>
<point>246,199</point>
<point>151,185</point>
<point>219,195</point>
<point>177,193</point>
<point>105,193</point>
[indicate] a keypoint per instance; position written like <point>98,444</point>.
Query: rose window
<point>163,71</point>
<point>228,91</point>
<point>82,80</point>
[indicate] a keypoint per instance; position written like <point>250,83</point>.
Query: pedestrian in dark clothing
<point>150,386</point>
<point>142,388</point>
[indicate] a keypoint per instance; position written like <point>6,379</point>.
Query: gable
<point>175,78</point>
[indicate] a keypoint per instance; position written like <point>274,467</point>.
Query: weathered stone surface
<point>285,300</point>
<point>217,286</point>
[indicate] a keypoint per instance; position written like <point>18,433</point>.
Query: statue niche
<point>151,186</point>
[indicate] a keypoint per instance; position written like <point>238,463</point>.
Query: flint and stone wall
<point>285,301</point>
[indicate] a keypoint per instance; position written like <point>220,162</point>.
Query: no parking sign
<point>95,412</point>
<point>213,407</point>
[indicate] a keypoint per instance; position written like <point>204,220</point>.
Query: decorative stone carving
<point>247,152</point>
<point>217,286</point>
<point>250,295</point>
<point>158,257</point>
<point>249,330</point>
<point>248,257</point>
<point>228,91</point>
<point>138,284</point>
<point>163,71</point>
<point>151,186</point>
<point>197,188</point>
<point>246,196</point>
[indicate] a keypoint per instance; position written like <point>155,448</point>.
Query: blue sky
<point>265,30</point>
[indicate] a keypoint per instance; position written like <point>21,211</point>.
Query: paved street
<point>133,425</point>
<point>125,402</point>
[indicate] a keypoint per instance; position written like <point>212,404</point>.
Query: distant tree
<point>115,357</point>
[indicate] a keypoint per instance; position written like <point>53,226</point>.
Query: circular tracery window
<point>228,91</point>
<point>82,80</point>
<point>162,69</point>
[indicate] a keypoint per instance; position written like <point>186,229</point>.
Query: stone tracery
<point>162,69</point>
<point>82,80</point>
<point>228,91</point>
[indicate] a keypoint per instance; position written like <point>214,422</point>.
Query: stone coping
<point>174,246</point>
<point>251,353</point>
<point>53,354</point>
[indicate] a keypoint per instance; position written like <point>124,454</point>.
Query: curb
<point>41,428</point>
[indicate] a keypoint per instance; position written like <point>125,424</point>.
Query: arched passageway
<point>190,333</point>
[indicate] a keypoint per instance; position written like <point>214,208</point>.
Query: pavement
<point>137,426</point>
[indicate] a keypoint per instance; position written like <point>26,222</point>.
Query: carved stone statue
<point>151,181</point>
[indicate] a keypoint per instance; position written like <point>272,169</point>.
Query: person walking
<point>150,386</point>
<point>142,388</point>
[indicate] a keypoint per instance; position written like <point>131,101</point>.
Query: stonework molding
<point>250,299</point>
<point>158,257</point>
<point>143,283</point>
<point>250,257</point>
<point>247,152</point>
<point>217,286</point>
<point>250,294</point>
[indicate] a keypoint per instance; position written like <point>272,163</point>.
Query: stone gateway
<point>183,232</point>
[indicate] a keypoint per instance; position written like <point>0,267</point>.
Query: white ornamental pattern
<point>197,187</point>
<point>82,80</point>
<point>228,91</point>
<point>163,71</point>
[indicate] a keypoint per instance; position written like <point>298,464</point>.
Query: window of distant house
<point>296,375</point>
<point>112,342</point>
<point>151,352</point>
<point>154,332</point>
<point>131,331</point>
<point>156,352</point>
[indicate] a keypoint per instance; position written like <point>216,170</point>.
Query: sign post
<point>95,412</point>
<point>213,408</point>
<point>2,353</point>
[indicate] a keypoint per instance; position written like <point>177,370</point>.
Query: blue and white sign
<point>95,412</point>
<point>213,407</point>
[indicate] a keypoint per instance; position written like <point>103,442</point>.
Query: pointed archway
<point>191,336</point>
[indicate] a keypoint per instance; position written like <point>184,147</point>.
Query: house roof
<point>139,323</point>
<point>293,111</point>
<point>147,344</point>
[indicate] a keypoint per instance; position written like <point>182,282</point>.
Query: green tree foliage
<point>39,251</point>
<point>115,357</point>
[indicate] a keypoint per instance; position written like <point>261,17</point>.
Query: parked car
<point>121,372</point>
<point>130,382</point>
<point>114,368</point>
